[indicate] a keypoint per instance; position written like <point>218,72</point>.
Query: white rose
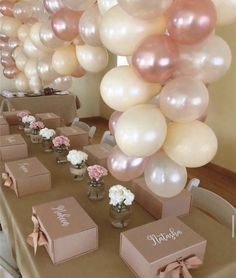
<point>28,119</point>
<point>47,133</point>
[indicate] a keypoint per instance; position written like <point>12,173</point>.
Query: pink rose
<point>97,172</point>
<point>60,141</point>
<point>37,125</point>
<point>22,114</point>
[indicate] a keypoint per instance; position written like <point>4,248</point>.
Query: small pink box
<point>78,137</point>
<point>12,147</point>
<point>50,120</point>
<point>11,116</point>
<point>98,154</point>
<point>28,176</point>
<point>160,207</point>
<point>148,249</point>
<point>4,127</point>
<point>69,231</point>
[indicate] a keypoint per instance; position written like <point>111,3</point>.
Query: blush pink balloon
<point>80,72</point>
<point>53,6</point>
<point>11,72</point>
<point>4,37</point>
<point>6,52</point>
<point>6,8</point>
<point>7,62</point>
<point>113,121</point>
<point>191,21</point>
<point>65,24</point>
<point>3,44</point>
<point>155,58</point>
<point>123,167</point>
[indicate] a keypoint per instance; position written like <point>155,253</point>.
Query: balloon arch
<point>160,97</point>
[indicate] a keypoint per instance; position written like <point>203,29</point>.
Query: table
<point>64,106</point>
<point>15,216</point>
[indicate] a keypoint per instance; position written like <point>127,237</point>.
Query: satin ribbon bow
<point>37,238</point>
<point>181,267</point>
<point>7,181</point>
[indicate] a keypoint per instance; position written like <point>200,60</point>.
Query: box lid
<point>10,140</point>
<point>3,121</point>
<point>161,238</point>
<point>71,130</point>
<point>13,113</point>
<point>44,116</point>
<point>99,150</point>
<point>63,218</point>
<point>25,168</point>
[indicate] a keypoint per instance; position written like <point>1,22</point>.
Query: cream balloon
<point>21,61</point>
<point>64,61</point>
<point>106,5</point>
<point>21,82</point>
<point>226,11</point>
<point>10,26</point>
<point>121,89</point>
<point>163,176</point>
<point>92,58</point>
<point>17,51</point>
<point>141,131</point>
<point>62,83</point>
<point>35,84</point>
<point>31,50</point>
<point>35,38</point>
<point>121,33</point>
<point>45,69</point>
<point>23,32</point>
<point>78,5</point>
<point>190,145</point>
<point>31,68</point>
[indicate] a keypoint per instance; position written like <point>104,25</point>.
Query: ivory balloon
<point>113,121</point>
<point>123,167</point>
<point>35,84</point>
<point>106,5</point>
<point>53,6</point>
<point>190,145</point>
<point>62,83</point>
<point>155,58</point>
<point>226,11</point>
<point>141,131</point>
<point>6,52</point>
<point>31,68</point>
<point>13,43</point>
<point>92,58</point>
<point>16,52</point>
<point>121,33</point>
<point>10,72</point>
<point>6,8</point>
<point>79,5</point>
<point>10,26</point>
<point>64,60</point>
<point>65,24</point>
<point>21,61</point>
<point>21,82</point>
<point>145,9</point>
<point>207,61</point>
<point>89,26</point>
<point>22,10</point>
<point>122,89</point>
<point>35,38</point>
<point>164,177</point>
<point>31,50</point>
<point>184,99</point>
<point>23,32</point>
<point>45,69</point>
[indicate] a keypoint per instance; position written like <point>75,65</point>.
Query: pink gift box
<point>160,207</point>
<point>150,248</point>
<point>4,127</point>
<point>98,154</point>
<point>78,137</point>
<point>50,120</point>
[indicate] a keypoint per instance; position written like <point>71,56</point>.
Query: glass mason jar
<point>21,125</point>
<point>120,216</point>
<point>61,154</point>
<point>47,145</point>
<point>35,137</point>
<point>78,173</point>
<point>96,190</point>
<point>27,129</point>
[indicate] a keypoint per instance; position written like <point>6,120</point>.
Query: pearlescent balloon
<point>10,72</point>
<point>123,167</point>
<point>145,9</point>
<point>89,26</point>
<point>191,21</point>
<point>45,69</point>
<point>31,68</point>
<point>106,5</point>
<point>6,8</point>
<point>91,58</point>
<point>13,43</point>
<point>121,33</point>
<point>53,6</point>
<point>207,61</point>
<point>121,89</point>
<point>141,131</point>
<point>10,26</point>
<point>113,121</point>
<point>35,84</point>
<point>3,45</point>
<point>6,52</point>
<point>7,62</point>
<point>31,50</point>
<point>35,38</point>
<point>190,145</point>
<point>22,10</point>
<point>23,32</point>
<point>21,82</point>
<point>62,83</point>
<point>3,37</point>
<point>155,58</point>
<point>226,11</point>
<point>184,99</point>
<point>17,51</point>
<point>21,61</point>
<point>79,5</point>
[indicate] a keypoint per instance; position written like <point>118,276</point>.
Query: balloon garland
<point>160,97</point>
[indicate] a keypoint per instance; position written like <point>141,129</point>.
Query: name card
<point>24,167</point>
<point>11,139</point>
<point>62,215</point>
<point>157,239</point>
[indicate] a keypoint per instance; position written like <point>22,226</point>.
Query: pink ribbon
<point>7,181</point>
<point>37,237</point>
<point>181,267</point>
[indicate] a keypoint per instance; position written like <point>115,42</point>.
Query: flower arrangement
<point>47,133</point>
<point>61,142</point>
<point>120,197</point>
<point>97,172</point>
<point>22,114</point>
<point>28,119</point>
<point>77,158</point>
<point>36,126</point>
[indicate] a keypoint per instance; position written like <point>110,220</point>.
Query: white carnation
<point>28,119</point>
<point>47,133</point>
<point>76,157</point>
<point>119,194</point>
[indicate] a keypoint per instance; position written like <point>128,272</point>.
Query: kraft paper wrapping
<point>49,119</point>
<point>78,137</point>
<point>11,116</point>
<point>4,127</point>
<point>219,259</point>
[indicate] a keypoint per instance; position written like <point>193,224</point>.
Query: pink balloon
<point>123,167</point>
<point>80,72</point>
<point>6,8</point>
<point>7,62</point>
<point>4,37</point>
<point>6,52</point>
<point>78,5</point>
<point>155,58</point>
<point>53,6</point>
<point>11,72</point>
<point>113,121</point>
<point>191,21</point>
<point>3,44</point>
<point>65,24</point>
